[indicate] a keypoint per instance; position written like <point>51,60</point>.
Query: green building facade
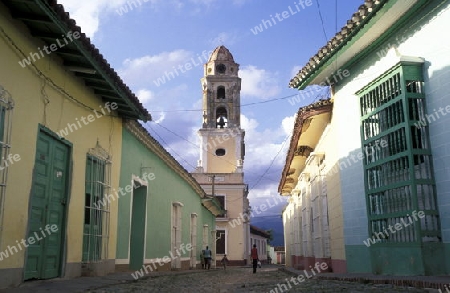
<point>166,219</point>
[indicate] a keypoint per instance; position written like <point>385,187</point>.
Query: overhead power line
<point>170,147</point>
<point>260,177</point>
<point>321,20</point>
<point>242,105</point>
<point>271,163</point>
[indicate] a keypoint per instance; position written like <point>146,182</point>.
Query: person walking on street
<point>254,257</point>
<point>207,258</point>
<point>202,258</point>
<point>224,262</point>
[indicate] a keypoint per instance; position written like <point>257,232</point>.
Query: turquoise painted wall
<point>167,187</point>
<point>358,259</point>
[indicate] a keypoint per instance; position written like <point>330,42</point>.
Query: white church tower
<point>220,168</point>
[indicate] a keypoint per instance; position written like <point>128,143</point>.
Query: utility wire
<point>321,20</point>
<point>177,135</point>
<point>326,96</point>
<point>170,147</point>
<point>271,163</point>
<point>336,14</point>
<point>181,137</point>
<point>242,105</point>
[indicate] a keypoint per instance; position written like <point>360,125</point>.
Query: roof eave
<point>258,231</point>
<point>318,108</point>
<point>99,65</point>
<point>213,205</point>
<point>111,87</point>
<point>317,69</point>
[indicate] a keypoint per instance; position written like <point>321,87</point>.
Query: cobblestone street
<point>268,279</point>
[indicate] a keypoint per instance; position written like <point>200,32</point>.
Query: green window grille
<point>6,110</point>
<point>97,203</point>
<point>398,172</point>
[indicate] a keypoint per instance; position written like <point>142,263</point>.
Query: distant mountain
<point>270,218</point>
<point>271,222</point>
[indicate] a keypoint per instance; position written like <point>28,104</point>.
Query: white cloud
<point>258,82</point>
<point>288,124</point>
<point>157,70</point>
<point>87,13</point>
<point>248,124</point>
<point>165,106</point>
<point>261,148</point>
<point>265,156</point>
<point>270,194</point>
<point>161,117</point>
<point>144,95</point>
<point>179,131</point>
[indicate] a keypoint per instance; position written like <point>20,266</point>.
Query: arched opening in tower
<point>221,117</point>
<point>221,92</point>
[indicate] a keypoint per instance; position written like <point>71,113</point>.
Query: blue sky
<point>142,42</point>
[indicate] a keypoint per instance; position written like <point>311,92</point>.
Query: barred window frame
<point>97,206</point>
<point>6,112</point>
<point>399,177</point>
<point>222,199</point>
<point>221,241</point>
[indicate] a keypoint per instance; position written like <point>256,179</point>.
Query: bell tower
<point>220,168</point>
<point>222,139</point>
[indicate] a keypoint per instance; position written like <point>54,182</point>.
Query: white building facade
<point>389,71</point>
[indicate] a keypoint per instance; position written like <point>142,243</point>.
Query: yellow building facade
<point>312,220</point>
<point>63,134</point>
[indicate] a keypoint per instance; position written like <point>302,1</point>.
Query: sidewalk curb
<point>87,283</point>
<point>420,282</point>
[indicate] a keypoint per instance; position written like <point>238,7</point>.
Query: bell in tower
<point>221,90</point>
<point>222,137</point>
<point>222,120</point>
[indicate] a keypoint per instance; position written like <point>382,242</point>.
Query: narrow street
<point>267,279</point>
<point>140,139</point>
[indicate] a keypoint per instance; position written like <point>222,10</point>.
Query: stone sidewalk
<point>426,282</point>
<point>80,284</point>
<point>271,275</point>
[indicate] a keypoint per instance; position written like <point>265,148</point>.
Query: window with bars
<point>222,201</point>
<point>176,232</point>
<point>221,242</point>
<point>397,161</point>
<point>205,236</point>
<point>6,107</point>
<point>193,253</point>
<point>96,210</point>
<point>306,223</point>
